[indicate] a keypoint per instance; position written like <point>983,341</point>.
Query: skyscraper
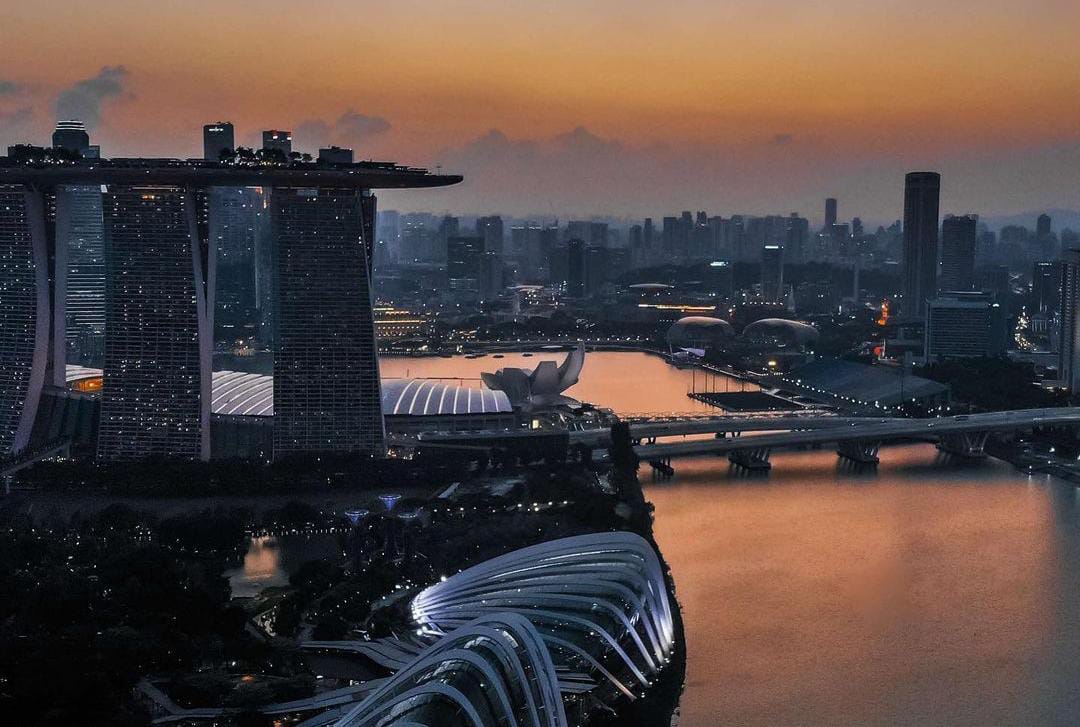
<point>24,317</point>
<point>720,279</point>
<point>575,268</point>
<point>958,253</point>
<point>1043,226</point>
<point>1045,239</point>
<point>80,271</point>
<point>797,239</point>
<point>1069,349</point>
<point>217,139</point>
<point>922,193</point>
<point>71,136</point>
<point>491,229</point>
<point>277,139</point>
<point>326,372</point>
<point>772,273</point>
<point>1046,285</point>
<point>239,231</point>
<point>830,213</point>
<point>464,259</point>
<point>156,389</point>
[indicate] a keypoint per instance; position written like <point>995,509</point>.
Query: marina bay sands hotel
<point>155,396</point>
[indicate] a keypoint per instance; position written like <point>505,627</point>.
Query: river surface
<point>923,592</point>
<point>926,591</point>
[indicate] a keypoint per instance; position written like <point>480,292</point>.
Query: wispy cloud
<point>83,100</point>
<point>352,129</point>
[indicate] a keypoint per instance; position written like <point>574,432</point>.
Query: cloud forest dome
<point>519,638</point>
<point>493,670</point>
<point>600,600</point>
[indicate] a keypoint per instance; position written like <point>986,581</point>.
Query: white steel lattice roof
<point>236,393</point>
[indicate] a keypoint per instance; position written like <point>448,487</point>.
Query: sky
<point>586,107</point>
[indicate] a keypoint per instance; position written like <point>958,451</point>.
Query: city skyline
<point>686,106</point>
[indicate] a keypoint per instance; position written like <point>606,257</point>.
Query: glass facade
<point>157,351</point>
<point>24,325</point>
<point>326,371</point>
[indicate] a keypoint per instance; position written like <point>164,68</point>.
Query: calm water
<point>923,592</point>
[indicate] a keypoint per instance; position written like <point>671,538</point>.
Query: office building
<point>336,155</point>
<point>575,268</point>
<point>1045,240</point>
<point>24,317</point>
<point>492,275</point>
<point>326,372</point>
<point>464,263</point>
<point>239,232</point>
<point>772,273</point>
<point>71,136</point>
<point>1069,349</point>
<point>1046,286</point>
<point>720,279</point>
<point>279,140</point>
<point>218,139</point>
<point>80,271</point>
<point>922,193</point>
<point>598,268</point>
<point>797,239</point>
<point>964,325</point>
<point>156,387</point>
<point>958,253</point>
<point>830,213</point>
<point>491,230</point>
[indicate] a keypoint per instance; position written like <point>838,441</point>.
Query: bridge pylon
<point>970,445</point>
<point>860,451</point>
<point>755,460</point>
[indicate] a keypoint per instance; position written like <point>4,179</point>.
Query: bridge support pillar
<point>859,451</point>
<point>755,460</point>
<point>964,444</point>
<point>662,468</point>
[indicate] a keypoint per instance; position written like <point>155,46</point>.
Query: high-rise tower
<point>71,136</point>
<point>830,213</point>
<point>217,139</point>
<point>922,194</point>
<point>326,369</point>
<point>158,340</point>
<point>1069,356</point>
<point>24,314</point>
<point>772,273</point>
<point>958,253</point>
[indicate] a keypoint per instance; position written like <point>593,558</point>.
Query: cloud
<point>352,129</point>
<point>9,88</point>
<point>83,100</point>
<point>17,126</point>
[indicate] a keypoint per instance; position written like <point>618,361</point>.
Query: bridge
<point>749,439</point>
<point>856,438</point>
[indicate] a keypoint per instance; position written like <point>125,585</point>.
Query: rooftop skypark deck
<point>199,173</point>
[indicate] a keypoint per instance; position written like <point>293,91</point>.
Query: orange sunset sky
<point>587,106</point>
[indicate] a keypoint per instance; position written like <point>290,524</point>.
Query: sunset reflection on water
<point>924,591</point>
